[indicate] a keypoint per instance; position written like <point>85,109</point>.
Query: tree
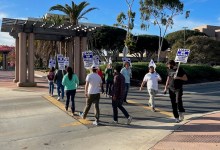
<point>147,44</point>
<point>74,12</point>
<point>46,49</point>
<point>179,35</point>
<point>109,38</point>
<point>129,17</point>
<point>162,13</point>
<point>202,49</point>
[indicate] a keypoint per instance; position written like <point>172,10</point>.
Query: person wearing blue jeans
<point>60,91</point>
<point>51,88</point>
<point>58,80</point>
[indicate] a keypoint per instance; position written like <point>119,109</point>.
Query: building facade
<point>211,31</point>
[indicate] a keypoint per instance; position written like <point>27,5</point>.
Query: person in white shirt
<point>92,94</point>
<point>151,79</point>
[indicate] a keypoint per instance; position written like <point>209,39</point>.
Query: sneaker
<point>153,109</point>
<point>129,120</point>
<point>81,115</point>
<point>181,116</point>
<point>177,120</point>
<point>114,122</point>
<point>58,98</point>
<point>95,123</point>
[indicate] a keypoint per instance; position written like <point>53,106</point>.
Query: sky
<point>202,12</point>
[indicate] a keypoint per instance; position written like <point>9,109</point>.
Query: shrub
<point>195,73</point>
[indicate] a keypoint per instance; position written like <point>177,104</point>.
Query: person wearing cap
<point>92,93</point>
<point>174,84</point>
<point>151,79</point>
<point>126,72</point>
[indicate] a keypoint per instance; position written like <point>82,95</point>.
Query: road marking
<point>62,107</point>
<point>169,114</point>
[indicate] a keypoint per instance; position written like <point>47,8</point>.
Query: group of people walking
<point>117,81</point>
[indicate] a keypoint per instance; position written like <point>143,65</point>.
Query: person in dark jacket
<point>174,84</point>
<point>118,95</point>
<point>58,80</point>
<point>50,78</point>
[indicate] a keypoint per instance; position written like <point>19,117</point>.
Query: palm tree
<point>74,12</point>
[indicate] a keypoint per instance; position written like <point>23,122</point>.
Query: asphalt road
<point>30,121</point>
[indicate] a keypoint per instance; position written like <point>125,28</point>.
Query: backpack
<point>50,76</point>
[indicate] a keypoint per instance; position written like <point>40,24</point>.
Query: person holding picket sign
<point>151,79</point>
<point>175,78</point>
<point>50,78</point>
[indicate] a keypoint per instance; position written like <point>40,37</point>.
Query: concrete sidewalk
<point>147,131</point>
<point>202,133</point>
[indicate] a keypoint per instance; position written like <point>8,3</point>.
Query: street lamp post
<point>185,36</point>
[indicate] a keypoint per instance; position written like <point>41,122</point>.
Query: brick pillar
<point>22,59</point>
<point>70,52</point>
<point>77,56</point>
<point>16,60</point>
<point>31,60</point>
<point>82,69</point>
<point>4,59</point>
<point>62,47</point>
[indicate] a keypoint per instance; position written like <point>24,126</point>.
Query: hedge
<point>195,73</point>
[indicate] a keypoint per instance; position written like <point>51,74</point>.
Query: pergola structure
<point>26,31</point>
<point>5,50</point>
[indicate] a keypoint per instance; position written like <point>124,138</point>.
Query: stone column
<point>70,53</point>
<point>31,60</point>
<point>83,70</point>
<point>62,47</point>
<point>77,55</point>
<point>5,63</point>
<point>16,60</point>
<point>22,59</point>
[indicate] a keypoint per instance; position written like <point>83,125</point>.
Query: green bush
<point>195,73</point>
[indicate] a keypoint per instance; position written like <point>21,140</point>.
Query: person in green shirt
<point>109,79</point>
<point>70,82</point>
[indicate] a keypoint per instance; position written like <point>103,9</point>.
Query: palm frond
<point>59,8</point>
<point>85,12</point>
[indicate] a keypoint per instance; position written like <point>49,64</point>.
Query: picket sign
<point>96,60</point>
<point>61,63</point>
<point>66,61</point>
<point>87,59</point>
<point>152,64</point>
<point>52,63</point>
<point>182,56</point>
<point>110,60</point>
<point>125,59</point>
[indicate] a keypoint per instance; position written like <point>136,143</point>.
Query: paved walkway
<point>201,132</point>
